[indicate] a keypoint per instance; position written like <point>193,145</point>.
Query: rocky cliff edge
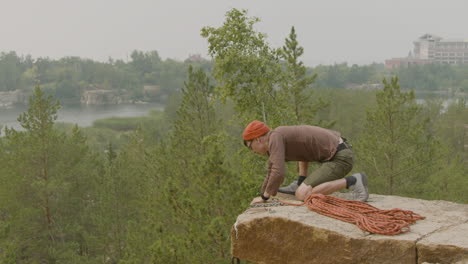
<point>290,234</point>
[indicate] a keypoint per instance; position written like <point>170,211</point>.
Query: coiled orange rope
<point>365,216</point>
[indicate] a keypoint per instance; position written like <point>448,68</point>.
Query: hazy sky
<point>331,31</point>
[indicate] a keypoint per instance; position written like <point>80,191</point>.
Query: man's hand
<point>257,200</point>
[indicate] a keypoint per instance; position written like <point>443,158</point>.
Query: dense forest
<point>167,188</point>
<point>67,78</point>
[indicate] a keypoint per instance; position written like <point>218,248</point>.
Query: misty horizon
<point>332,32</point>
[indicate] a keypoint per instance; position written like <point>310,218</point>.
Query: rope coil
<point>365,216</point>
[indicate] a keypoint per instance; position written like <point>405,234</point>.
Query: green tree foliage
<point>46,192</point>
<point>247,69</point>
<point>168,187</point>
<point>264,83</point>
<point>177,198</point>
<point>67,78</point>
<point>347,109</point>
<point>297,84</point>
<point>196,114</point>
<point>11,69</point>
<point>343,76</point>
<point>452,127</point>
<point>396,149</point>
<point>429,77</point>
<point>421,78</point>
<point>201,190</point>
<point>125,187</point>
<point>450,182</point>
<point>147,65</point>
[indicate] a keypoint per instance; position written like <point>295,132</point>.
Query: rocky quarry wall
<point>100,97</point>
<point>10,98</point>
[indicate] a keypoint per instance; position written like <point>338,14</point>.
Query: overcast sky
<point>331,31</point>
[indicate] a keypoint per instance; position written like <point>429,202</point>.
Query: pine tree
<point>198,197</point>
<point>396,149</point>
<point>45,188</point>
<point>196,114</point>
<point>297,84</point>
<point>450,182</point>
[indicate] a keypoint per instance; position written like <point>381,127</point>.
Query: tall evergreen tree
<point>199,197</point>
<point>196,117</point>
<point>450,182</point>
<point>46,187</point>
<point>297,83</point>
<point>124,186</point>
<point>396,149</point>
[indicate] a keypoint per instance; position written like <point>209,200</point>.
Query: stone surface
<point>290,234</point>
<point>448,245</point>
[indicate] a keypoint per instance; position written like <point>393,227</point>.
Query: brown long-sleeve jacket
<point>296,143</point>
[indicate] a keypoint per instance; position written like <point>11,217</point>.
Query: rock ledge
<point>290,234</point>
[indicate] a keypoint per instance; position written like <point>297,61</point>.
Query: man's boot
<point>290,189</point>
<point>359,189</point>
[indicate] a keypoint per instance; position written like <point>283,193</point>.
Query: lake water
<point>82,115</point>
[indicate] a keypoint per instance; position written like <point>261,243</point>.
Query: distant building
<point>433,49</point>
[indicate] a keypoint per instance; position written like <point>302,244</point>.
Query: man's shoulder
<point>295,128</point>
<point>304,130</point>
<point>283,132</point>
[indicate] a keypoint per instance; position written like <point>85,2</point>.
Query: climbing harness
<point>365,216</point>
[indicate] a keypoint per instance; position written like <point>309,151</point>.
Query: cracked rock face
<point>290,234</point>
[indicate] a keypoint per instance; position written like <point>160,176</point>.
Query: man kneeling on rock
<point>305,144</point>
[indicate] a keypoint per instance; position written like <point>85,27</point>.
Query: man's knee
<point>303,191</point>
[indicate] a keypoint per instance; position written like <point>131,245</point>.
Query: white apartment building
<point>439,50</point>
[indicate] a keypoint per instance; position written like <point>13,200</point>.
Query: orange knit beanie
<point>254,130</point>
